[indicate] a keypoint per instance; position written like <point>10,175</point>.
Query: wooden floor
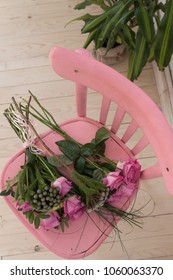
<point>28,30</point>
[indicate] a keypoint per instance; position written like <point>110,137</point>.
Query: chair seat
<point>85,234</point>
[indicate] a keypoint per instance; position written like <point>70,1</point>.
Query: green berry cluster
<point>46,199</point>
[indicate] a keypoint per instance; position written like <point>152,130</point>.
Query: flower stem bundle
<point>52,189</point>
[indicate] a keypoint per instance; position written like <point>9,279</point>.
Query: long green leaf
<point>111,21</point>
<point>164,38</point>
<point>118,26</point>
<point>145,22</point>
<point>128,37</point>
<point>90,38</point>
<point>86,3</point>
<point>139,56</point>
<point>86,18</point>
<point>69,148</point>
<point>131,64</point>
<point>91,25</point>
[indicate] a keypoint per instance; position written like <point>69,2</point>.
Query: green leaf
<point>128,37</point>
<point>98,175</point>
<point>164,38</point>
<point>88,172</point>
<point>87,150</point>
<point>110,21</point>
<point>21,183</point>
<point>100,149</point>
<point>39,176</point>
<point>88,186</point>
<point>83,5</point>
<point>55,162</point>
<point>86,18</point>
<point>145,22</point>
<point>90,38</point>
<point>107,166</point>
<point>131,64</point>
<point>117,29</point>
<point>31,217</point>
<point>30,156</point>
<point>44,216</point>
<point>37,222</point>
<point>5,193</point>
<point>69,148</point>
<point>79,164</point>
<point>138,57</point>
<point>95,22</point>
<point>102,135</point>
<point>27,196</point>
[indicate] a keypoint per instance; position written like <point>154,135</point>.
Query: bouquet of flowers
<point>52,189</point>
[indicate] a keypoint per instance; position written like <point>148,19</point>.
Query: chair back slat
<point>129,98</point>
<point>141,144</point>
<point>119,115</point>
<point>132,127</point>
<point>151,172</point>
<point>81,99</point>
<point>104,109</point>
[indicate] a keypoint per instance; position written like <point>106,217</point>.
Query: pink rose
<point>113,180</point>
<point>114,200</point>
<point>124,192</point>
<point>63,185</point>
<point>131,170</point>
<point>73,207</point>
<point>25,207</point>
<point>51,222</point>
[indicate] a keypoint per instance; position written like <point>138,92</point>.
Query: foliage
<point>51,189</point>
<point>144,27</point>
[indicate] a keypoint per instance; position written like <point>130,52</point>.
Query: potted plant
<point>101,51</point>
<point>144,27</point>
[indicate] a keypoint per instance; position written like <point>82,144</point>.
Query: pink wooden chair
<point>83,236</point>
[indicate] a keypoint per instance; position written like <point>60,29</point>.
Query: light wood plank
<point>28,30</point>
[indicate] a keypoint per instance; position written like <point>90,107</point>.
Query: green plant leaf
<point>55,162</point>
<point>102,135</point>
<point>86,18</point>
<point>128,37</point>
<point>83,5</point>
<point>98,175</point>
<point>111,21</point>
<point>90,38</point>
<point>138,57</point>
<point>37,222</point>
<point>88,186</point>
<point>70,149</point>
<point>145,22</point>
<point>87,150</point>
<point>44,216</point>
<point>117,29</point>
<point>5,192</point>
<point>95,22</point>
<point>79,164</point>
<point>21,183</point>
<point>107,166</point>
<point>31,217</point>
<point>164,44</point>
<point>30,156</point>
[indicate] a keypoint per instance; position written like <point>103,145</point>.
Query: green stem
<point>48,169</point>
<point>38,136</point>
<point>111,162</point>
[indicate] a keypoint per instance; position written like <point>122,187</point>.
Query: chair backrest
<point>86,72</point>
